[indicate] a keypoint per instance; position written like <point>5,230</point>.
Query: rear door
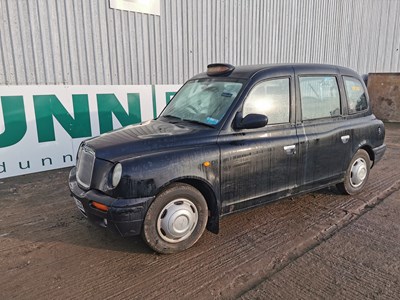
<point>324,138</point>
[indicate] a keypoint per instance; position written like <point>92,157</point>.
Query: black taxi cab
<point>230,139</point>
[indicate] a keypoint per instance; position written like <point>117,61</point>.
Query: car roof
<point>248,71</point>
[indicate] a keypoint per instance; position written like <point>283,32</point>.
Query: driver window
<point>270,98</point>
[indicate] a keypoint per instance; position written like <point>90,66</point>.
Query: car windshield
<point>203,101</point>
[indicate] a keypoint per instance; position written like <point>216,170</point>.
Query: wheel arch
<point>209,195</point>
<point>370,152</point>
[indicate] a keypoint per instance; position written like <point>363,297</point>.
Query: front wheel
<point>357,174</point>
<point>176,219</point>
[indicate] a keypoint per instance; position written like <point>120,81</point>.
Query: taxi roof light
<point>219,69</point>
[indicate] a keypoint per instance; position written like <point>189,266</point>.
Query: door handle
<point>345,138</point>
<point>290,150</point>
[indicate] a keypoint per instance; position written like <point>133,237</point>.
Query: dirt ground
<point>320,245</point>
<point>359,262</point>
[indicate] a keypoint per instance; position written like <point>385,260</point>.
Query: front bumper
<point>378,152</point>
<point>124,216</point>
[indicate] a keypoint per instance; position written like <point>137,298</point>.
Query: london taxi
<point>230,139</point>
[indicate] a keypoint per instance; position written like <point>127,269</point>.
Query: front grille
<point>84,166</point>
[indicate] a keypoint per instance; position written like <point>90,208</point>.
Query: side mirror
<point>250,121</point>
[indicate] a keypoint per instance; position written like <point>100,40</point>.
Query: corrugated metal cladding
<point>86,42</point>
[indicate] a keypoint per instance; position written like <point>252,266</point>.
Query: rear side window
<point>319,97</point>
<point>356,98</point>
<point>270,98</point>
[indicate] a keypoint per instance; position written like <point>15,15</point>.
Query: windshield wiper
<point>198,122</point>
<point>171,116</point>
<point>188,120</point>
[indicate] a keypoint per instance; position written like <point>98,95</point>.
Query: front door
<point>260,162</point>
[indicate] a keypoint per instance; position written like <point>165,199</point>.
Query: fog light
<point>105,222</point>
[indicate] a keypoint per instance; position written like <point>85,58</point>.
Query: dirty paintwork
<point>247,167</point>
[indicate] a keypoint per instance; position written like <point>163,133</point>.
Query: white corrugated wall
<point>86,42</point>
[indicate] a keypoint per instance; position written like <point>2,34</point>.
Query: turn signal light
<point>100,206</point>
<point>206,164</point>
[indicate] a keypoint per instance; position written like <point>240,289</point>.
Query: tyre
<point>176,219</point>
<point>356,174</point>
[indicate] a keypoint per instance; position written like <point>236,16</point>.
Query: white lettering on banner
<point>41,127</point>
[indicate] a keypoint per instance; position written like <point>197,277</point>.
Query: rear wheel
<point>357,174</point>
<point>176,219</point>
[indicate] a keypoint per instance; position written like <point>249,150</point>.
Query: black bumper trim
<point>125,216</point>
<point>379,152</point>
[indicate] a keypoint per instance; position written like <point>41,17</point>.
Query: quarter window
<point>319,97</point>
<point>270,98</point>
<point>356,98</point>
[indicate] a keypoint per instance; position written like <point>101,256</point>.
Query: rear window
<point>319,97</point>
<point>356,98</point>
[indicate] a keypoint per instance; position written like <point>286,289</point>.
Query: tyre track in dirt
<point>360,262</point>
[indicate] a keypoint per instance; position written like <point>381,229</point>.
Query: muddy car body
<point>230,139</point>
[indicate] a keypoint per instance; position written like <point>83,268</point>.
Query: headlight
<point>116,176</point>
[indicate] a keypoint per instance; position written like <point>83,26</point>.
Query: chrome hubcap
<point>358,172</point>
<point>177,220</point>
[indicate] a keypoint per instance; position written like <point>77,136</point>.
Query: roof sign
<point>219,69</point>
